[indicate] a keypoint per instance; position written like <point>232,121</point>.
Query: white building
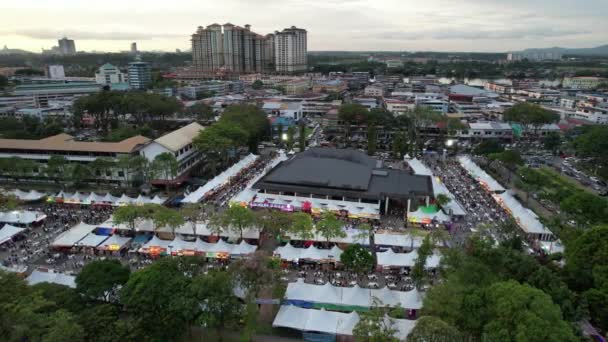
<point>487,130</point>
<point>291,50</point>
<point>56,72</point>
<point>399,107</point>
<point>374,91</point>
<point>110,75</point>
<point>583,82</point>
<point>598,115</point>
<point>178,143</point>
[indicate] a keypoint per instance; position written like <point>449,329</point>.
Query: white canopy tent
<point>290,253</point>
<point>453,206</point>
<point>38,277</point>
<point>389,258</point>
<point>178,245</point>
<point>220,179</point>
<point>352,296</point>
<point>331,322</point>
<point>72,236</point>
<point>419,216</point>
<point>526,218</point>
<point>114,243</point>
<point>92,198</point>
<point>21,217</point>
<point>8,232</point>
<point>28,196</point>
<point>92,240</point>
<point>398,240</point>
<point>480,175</point>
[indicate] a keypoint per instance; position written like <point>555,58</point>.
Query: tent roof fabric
<point>21,217</point>
<point>84,198</point>
<point>479,174</point>
<point>290,253</point>
<point>72,236</point>
<point>92,240</point>
<point>525,217</point>
<point>178,245</point>
<point>438,187</point>
<point>330,322</point>
<point>28,196</point>
<point>115,240</point>
<point>352,296</point>
<point>220,179</point>
<point>390,258</point>
<point>38,277</point>
<point>7,232</point>
<point>398,240</point>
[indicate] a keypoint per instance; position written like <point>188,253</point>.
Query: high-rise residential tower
<point>66,46</point>
<point>134,48</point>
<point>291,50</point>
<point>231,48</point>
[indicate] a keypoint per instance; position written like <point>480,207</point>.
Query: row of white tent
<point>353,296</point>
<point>24,217</point>
<point>90,198</point>
<point>28,196</point>
<point>389,258</point>
<point>8,232</point>
<point>368,210</point>
<point>330,322</point>
<point>219,180</point>
<point>178,245</point>
<point>188,228</point>
<point>438,187</point>
<point>291,253</point>
<point>480,175</point>
<point>525,217</point>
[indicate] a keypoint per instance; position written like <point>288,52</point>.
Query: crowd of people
<point>481,208</point>
<point>31,248</point>
<point>221,195</point>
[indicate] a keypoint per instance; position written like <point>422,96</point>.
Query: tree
<point>593,143</point>
<point>399,145</point>
<point>329,226</point>
<point>552,141</point>
<point>8,202</point>
<point>521,312</point>
<point>200,111</point>
<point>302,137</point>
<point>160,297</point>
<point>357,259</point>
<point>487,147</point>
<point>63,326</point>
<point>251,119</point>
<point>348,114</point>
<point>254,274</point>
<point>101,166</point>
<point>257,84</point>
<point>128,214</point>
<point>165,217</point>
<point>102,106</point>
<point>273,222</point>
<point>419,270</point>
<point>372,139</point>
<point>78,173</point>
<point>585,208</point>
<point>510,158</point>
<point>237,218</point>
<point>421,117</point>
<point>530,115</point>
<point>291,131</point>
<point>167,165</point>
<point>585,259</point>
<point>220,309</point>
<point>442,200</point>
<point>301,226</point>
<point>56,167</point>
<point>430,328</point>
<point>531,181</point>
<point>375,326</point>
<point>102,279</point>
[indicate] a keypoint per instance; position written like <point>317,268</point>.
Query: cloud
<point>521,33</point>
<point>91,35</point>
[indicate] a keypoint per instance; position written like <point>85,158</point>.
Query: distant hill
<point>596,51</point>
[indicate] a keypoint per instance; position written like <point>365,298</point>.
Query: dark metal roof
<point>348,173</point>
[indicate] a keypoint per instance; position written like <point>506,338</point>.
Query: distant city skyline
<point>348,25</point>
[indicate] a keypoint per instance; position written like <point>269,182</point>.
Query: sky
<point>352,25</point>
